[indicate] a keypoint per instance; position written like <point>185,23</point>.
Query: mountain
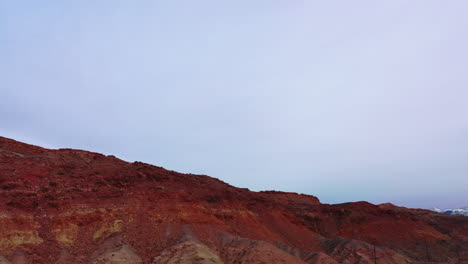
<point>75,206</point>
<point>459,211</point>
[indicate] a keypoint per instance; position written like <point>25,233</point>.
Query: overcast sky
<point>345,100</point>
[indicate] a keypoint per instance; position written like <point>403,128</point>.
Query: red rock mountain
<point>74,206</point>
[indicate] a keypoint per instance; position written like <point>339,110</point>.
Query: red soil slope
<point>73,206</point>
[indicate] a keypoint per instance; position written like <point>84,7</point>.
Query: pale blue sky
<point>346,100</point>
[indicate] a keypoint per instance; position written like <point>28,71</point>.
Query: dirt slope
<point>74,206</point>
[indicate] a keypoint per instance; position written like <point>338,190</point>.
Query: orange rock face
<point>73,206</point>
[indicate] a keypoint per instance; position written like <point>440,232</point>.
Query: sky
<point>344,100</point>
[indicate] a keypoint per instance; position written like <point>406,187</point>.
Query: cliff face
<point>73,206</point>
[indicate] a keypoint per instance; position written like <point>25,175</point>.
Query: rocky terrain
<point>74,206</point>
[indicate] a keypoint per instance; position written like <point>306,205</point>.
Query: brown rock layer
<point>73,206</point>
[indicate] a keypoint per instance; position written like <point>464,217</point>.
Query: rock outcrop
<point>74,206</point>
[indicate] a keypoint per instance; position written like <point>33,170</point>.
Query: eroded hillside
<point>74,206</point>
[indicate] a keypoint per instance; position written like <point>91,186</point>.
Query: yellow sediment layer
<point>14,238</point>
<point>18,230</point>
<point>108,228</point>
<point>66,235</point>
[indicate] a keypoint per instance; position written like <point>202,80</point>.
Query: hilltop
<point>75,206</point>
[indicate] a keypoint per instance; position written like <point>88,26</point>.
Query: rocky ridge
<point>74,206</point>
